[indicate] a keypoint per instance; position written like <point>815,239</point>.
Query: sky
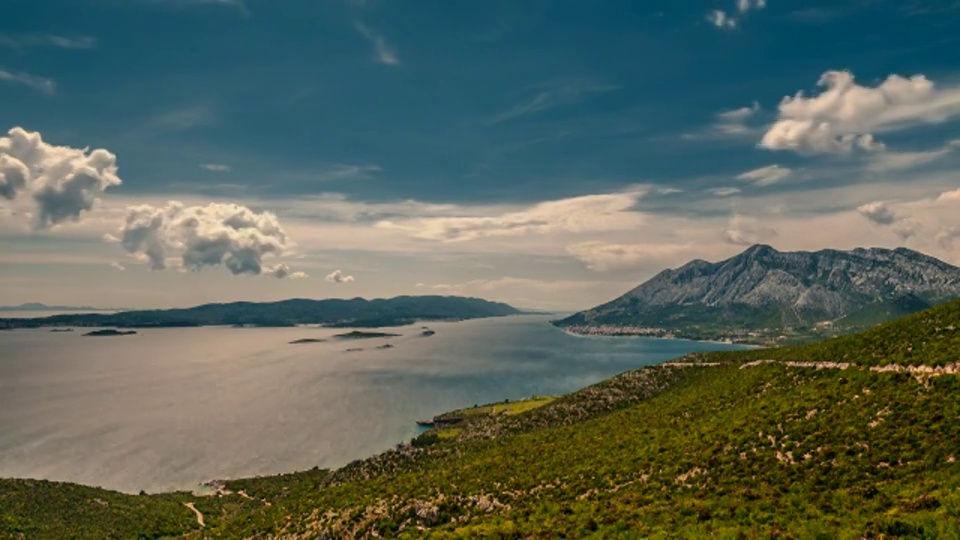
<point>551,154</point>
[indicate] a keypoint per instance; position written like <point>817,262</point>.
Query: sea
<point>168,409</point>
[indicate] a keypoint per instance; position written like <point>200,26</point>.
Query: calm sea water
<point>170,408</point>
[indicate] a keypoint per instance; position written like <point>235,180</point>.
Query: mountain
<point>853,437</point>
<point>332,312</point>
<point>765,292</point>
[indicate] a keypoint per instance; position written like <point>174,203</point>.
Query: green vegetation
<point>750,444</point>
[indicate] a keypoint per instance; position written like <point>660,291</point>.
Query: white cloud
<point>733,122</point>
<point>215,167</point>
<point>117,266</point>
<point>720,19</point>
<point>845,115</point>
<point>337,276</point>
<point>217,234</point>
<point>590,213</point>
<point>726,191</point>
<point>878,212</point>
<point>42,84</point>
<point>24,41</point>
<point>744,6</point>
<point>385,53</point>
<point>745,231</point>
<point>897,161</point>
<point>282,271</point>
<point>949,196</point>
<point>765,176</point>
<point>63,182</point>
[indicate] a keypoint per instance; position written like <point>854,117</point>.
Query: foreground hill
<point>855,437</point>
<point>764,293</point>
<point>335,312</point>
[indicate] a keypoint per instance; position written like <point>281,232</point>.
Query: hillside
<point>763,294</point>
<point>334,312</point>
<point>854,437</point>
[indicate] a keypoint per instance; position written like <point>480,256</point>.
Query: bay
<point>170,408</point>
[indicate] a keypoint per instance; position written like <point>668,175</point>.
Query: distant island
<point>769,297</point>
<point>110,332</point>
<point>335,313</point>
<point>356,334</point>
<point>36,306</point>
<point>306,340</point>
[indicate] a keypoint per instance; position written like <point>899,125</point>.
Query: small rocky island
<point>110,332</point>
<point>358,334</point>
<point>307,340</point>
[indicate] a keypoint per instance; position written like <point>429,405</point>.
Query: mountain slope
<point>354,312</point>
<point>850,438</point>
<point>764,290</point>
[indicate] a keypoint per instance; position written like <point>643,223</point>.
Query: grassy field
<point>856,437</point>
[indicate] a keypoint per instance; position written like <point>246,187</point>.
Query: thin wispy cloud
<point>181,119</point>
<point>215,167</point>
<point>238,5</point>
<point>41,84</point>
<point>33,40</point>
<point>384,53</point>
<point>553,95</point>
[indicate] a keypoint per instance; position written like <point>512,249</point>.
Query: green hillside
<point>753,444</point>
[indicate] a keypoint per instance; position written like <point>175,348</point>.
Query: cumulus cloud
<point>744,6</point>
<point>216,234</point>
<point>878,212</point>
<point>282,271</point>
<point>63,182</point>
<point>721,19</point>
<point>590,213</point>
<point>745,231</point>
<point>337,276</point>
<point>845,115</point>
<point>42,84</point>
<point>603,257</point>
<point>765,176</point>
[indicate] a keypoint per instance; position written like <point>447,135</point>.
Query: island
<point>359,334</point>
<point>110,332</point>
<point>331,313</point>
<point>306,340</point>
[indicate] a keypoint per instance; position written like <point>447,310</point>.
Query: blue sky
<point>550,153</point>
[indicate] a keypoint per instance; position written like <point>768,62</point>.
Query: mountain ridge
<point>769,291</point>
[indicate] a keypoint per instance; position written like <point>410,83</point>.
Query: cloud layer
<point>590,213</point>
<point>63,182</point>
<point>217,234</point>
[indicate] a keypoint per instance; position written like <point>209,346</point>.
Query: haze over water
<point>170,408</point>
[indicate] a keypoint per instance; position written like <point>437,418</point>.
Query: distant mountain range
<point>36,306</point>
<point>356,312</point>
<point>763,293</point>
